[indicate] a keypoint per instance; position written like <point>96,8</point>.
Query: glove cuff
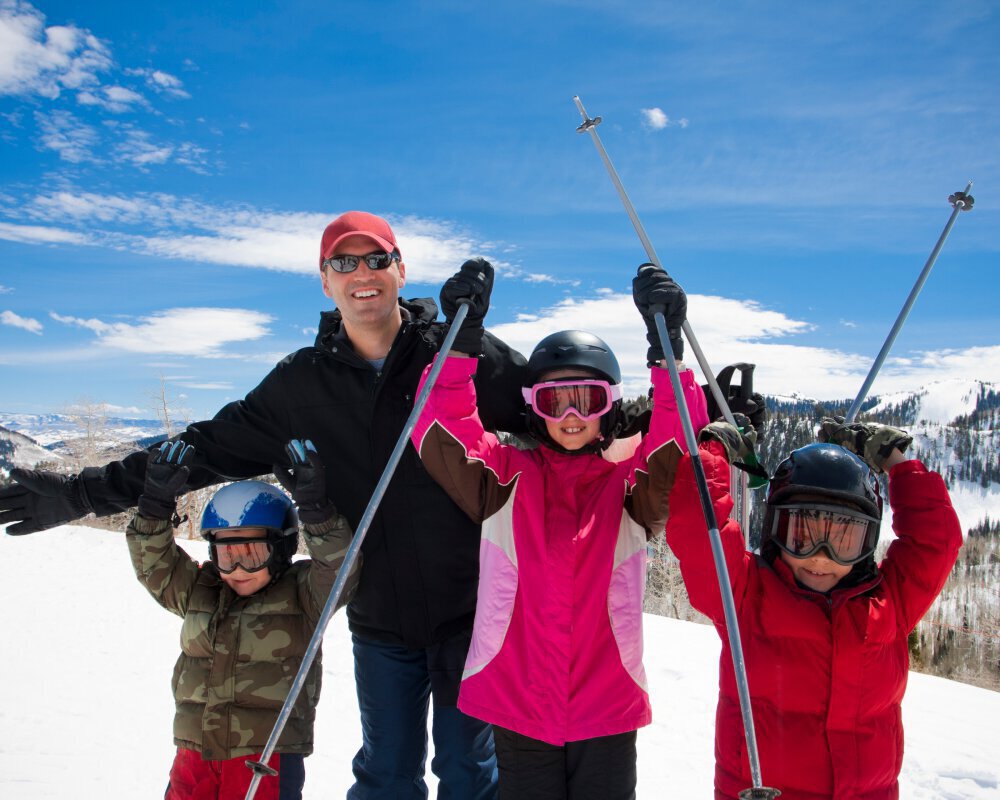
<point>469,339</point>
<point>157,507</point>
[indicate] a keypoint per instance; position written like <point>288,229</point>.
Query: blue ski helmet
<point>575,350</point>
<point>254,504</point>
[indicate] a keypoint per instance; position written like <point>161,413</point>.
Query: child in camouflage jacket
<point>249,615</point>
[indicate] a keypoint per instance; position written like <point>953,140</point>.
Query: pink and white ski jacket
<point>556,650</point>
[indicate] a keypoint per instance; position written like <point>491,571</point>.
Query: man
<point>351,394</point>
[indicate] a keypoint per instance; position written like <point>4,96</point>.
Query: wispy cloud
<point>655,119</point>
<point>5,289</point>
<point>248,237</point>
<point>37,234</point>
<point>731,331</point>
<point>162,82</point>
<point>72,139</point>
<point>116,99</point>
<point>201,332</point>
<point>17,321</point>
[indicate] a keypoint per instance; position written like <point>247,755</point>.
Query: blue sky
<point>167,171</point>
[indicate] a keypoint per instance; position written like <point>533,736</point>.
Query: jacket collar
<point>331,327</point>
<point>852,585</point>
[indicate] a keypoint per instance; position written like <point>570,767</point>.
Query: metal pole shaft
<point>351,556</point>
<point>852,412</point>
<point>718,554</point>
<point>590,126</point>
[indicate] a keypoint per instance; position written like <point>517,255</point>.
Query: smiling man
<point>351,394</point>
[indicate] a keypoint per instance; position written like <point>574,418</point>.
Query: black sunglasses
<point>350,263</point>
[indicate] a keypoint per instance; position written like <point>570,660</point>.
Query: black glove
<point>473,284</point>
<point>740,399</point>
<point>869,440</point>
<point>306,481</point>
<point>39,500</point>
<point>653,290</point>
<point>167,472</point>
<point>738,445</point>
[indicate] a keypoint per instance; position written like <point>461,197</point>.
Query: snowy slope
<point>19,450</point>
<point>86,709</point>
<point>50,429</point>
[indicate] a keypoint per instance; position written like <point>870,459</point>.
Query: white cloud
<point>40,61</point>
<point>72,139</point>
<point>217,386</point>
<point>245,236</point>
<point>116,99</point>
<point>139,149</point>
<point>5,289</point>
<point>16,321</point>
<point>730,331</point>
<point>655,119</point>
<point>162,82</point>
<point>36,234</point>
<point>201,332</point>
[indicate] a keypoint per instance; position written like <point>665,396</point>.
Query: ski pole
<point>739,478</point>
<point>962,201</point>
<point>590,126</point>
<point>759,791</point>
<point>260,768</point>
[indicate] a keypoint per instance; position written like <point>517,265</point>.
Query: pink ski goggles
<point>556,400</point>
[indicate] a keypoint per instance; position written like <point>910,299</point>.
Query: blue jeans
<point>395,685</point>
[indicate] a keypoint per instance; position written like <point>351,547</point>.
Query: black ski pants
<point>591,769</point>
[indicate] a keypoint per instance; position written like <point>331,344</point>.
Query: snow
<point>86,707</point>
<point>938,402</point>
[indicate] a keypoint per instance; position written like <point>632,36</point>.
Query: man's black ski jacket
<point>421,553</point>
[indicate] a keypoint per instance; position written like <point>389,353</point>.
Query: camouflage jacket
<point>239,655</point>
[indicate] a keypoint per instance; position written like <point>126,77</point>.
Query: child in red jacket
<point>824,628</point>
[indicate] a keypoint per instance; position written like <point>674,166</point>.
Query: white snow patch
<point>86,707</point>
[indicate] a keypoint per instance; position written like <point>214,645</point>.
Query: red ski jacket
<point>826,673</point>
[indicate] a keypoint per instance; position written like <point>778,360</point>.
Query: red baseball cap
<point>356,223</point>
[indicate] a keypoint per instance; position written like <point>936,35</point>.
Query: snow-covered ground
<point>86,709</point>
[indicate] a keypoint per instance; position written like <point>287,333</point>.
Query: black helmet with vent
<point>575,350</point>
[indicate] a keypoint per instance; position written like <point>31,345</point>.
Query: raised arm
<point>326,532</point>
<point>167,572</point>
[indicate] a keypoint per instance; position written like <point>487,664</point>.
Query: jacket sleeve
<point>242,441</point>
<point>499,377</point>
<point>929,536</point>
<point>327,543</point>
<point>654,464</point>
<point>687,533</point>
<point>467,462</point>
<point>167,572</point>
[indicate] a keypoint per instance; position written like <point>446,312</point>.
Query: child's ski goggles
<point>350,263</point>
<point>801,530</point>
<point>252,555</point>
<point>588,399</point>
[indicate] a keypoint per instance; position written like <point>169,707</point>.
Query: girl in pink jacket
<point>555,662</point>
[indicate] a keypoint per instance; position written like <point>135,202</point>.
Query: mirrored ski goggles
<point>556,400</point>
<point>377,260</point>
<point>252,555</point>
<point>802,530</point>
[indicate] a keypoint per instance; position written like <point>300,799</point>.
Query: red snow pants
<point>193,778</point>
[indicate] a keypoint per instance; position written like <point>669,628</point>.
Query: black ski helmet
<point>825,471</point>
<point>575,350</point>
<point>255,504</point>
